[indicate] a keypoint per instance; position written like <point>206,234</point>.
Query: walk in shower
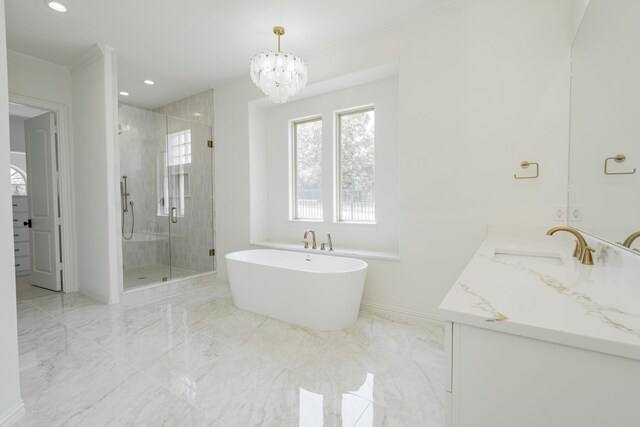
<point>167,193</point>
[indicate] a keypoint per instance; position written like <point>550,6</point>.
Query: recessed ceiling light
<point>58,7</point>
<point>124,93</point>
<point>149,82</point>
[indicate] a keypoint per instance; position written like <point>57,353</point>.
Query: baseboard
<point>98,297</point>
<point>400,312</point>
<point>13,415</point>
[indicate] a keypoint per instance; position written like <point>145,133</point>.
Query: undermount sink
<point>523,256</point>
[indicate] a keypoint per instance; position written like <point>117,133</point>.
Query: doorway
<point>37,202</point>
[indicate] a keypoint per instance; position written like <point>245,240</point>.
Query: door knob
<point>27,223</point>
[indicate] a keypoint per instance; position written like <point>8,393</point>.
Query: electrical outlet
<point>575,213</point>
<point>560,213</point>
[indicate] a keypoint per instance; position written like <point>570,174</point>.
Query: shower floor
<point>152,273</point>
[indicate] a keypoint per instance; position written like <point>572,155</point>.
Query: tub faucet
<point>314,244</point>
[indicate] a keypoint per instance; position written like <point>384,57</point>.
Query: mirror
<point>604,160</point>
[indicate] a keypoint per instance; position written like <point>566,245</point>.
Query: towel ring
<point>525,165</point>
<point>619,159</point>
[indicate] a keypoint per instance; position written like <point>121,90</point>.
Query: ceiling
<point>188,46</point>
<point>23,111</point>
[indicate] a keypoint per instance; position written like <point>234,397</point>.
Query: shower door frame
<point>175,195</point>
<point>171,279</point>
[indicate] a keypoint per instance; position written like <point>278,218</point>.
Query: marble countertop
<point>549,296</point>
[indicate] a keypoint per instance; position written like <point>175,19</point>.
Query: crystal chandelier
<point>279,75</point>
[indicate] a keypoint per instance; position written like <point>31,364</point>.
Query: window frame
<point>293,168</point>
<point>23,175</point>
<point>337,165</point>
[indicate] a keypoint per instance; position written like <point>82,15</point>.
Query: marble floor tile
<point>380,416</point>
<point>185,355</point>
<point>140,401</point>
<point>59,304</point>
<point>390,335</point>
<point>180,368</point>
<point>286,343</point>
<point>68,380</point>
<point>228,323</point>
<point>26,291</point>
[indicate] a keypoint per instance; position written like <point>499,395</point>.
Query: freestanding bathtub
<point>312,290</point>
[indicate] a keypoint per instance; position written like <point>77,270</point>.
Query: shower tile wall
<point>197,108</point>
<point>142,137</point>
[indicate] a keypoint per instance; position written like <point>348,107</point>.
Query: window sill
<point>359,253</point>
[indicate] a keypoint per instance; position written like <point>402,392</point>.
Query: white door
<point>40,138</point>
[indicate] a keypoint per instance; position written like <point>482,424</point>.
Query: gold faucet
<point>314,244</point>
<point>582,251</point>
<point>629,241</point>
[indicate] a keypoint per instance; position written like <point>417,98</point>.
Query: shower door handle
<point>174,215</point>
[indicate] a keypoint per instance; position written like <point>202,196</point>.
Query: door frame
<point>65,175</point>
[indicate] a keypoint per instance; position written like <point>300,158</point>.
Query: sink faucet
<point>314,244</point>
<point>582,251</point>
<point>629,241</point>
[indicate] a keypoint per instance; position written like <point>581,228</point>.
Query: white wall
<point>36,78</point>
<point>483,85</point>
<point>382,236</point>
<point>580,8</point>
<point>10,401</point>
<point>16,127</point>
<point>97,231</point>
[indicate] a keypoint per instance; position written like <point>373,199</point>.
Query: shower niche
<point>167,213</point>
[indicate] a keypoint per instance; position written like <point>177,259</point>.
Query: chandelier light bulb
<point>279,75</point>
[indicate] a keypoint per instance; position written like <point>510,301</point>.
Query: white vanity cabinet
<point>498,379</point>
<point>534,341</point>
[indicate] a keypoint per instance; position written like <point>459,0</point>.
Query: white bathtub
<point>312,290</point>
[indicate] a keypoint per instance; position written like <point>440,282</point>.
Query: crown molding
<point>15,56</point>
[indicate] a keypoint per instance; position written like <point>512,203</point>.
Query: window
<point>173,180</point>
<point>18,182</point>
<point>356,166</point>
<point>307,169</point>
<point>179,148</point>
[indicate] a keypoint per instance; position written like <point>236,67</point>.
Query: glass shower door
<point>189,182</point>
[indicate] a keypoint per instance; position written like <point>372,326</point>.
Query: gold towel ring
<point>525,165</point>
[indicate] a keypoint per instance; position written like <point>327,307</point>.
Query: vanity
<point>534,337</point>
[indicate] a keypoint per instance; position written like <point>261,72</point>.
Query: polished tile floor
<point>25,290</point>
<point>182,355</point>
